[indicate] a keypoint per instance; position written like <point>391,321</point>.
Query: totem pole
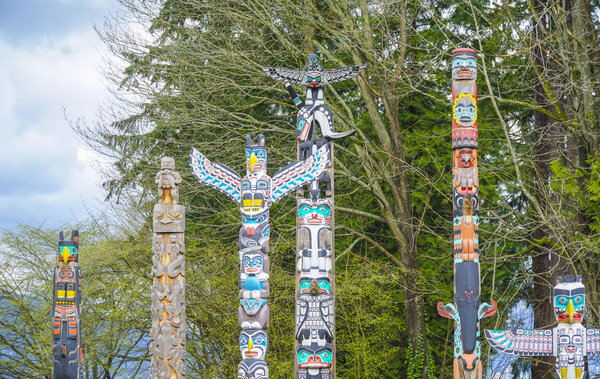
<point>255,193</point>
<point>570,342</point>
<point>315,282</point>
<point>467,309</point>
<point>167,337</point>
<point>66,311</point>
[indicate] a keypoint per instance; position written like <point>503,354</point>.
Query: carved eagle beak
<point>570,311</point>
<point>253,160</point>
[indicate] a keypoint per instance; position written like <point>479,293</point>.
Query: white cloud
<point>47,175</point>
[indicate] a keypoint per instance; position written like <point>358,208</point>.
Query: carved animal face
<point>569,299</point>
<point>314,356</point>
<point>68,249</point>
<point>253,263</point>
<point>314,213</point>
<point>465,158</point>
<point>464,66</point>
<point>314,71</point>
<point>315,286</point>
<point>256,157</point>
<point>253,369</point>
<point>255,194</point>
<point>464,110</point>
<point>252,223</point>
<point>254,343</point>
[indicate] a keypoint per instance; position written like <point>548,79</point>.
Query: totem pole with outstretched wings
<point>255,193</point>
<point>570,342</point>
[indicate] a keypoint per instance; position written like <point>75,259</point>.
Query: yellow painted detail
<point>70,293</point>
<point>250,345</point>
<point>60,293</point>
<point>563,373</point>
<point>247,203</point>
<point>65,302</point>
<point>578,372</point>
<point>253,160</point>
<point>570,311</point>
<point>258,203</point>
<point>65,254</point>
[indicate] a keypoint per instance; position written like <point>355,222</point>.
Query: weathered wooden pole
<point>167,336</point>
<point>467,309</point>
<point>255,193</point>
<point>315,226</point>
<point>66,310</point>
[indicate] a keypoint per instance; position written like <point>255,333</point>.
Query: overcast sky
<point>51,63</point>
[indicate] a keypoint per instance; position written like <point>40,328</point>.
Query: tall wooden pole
<point>66,310</point>
<point>167,336</point>
<point>467,309</point>
<point>315,226</point>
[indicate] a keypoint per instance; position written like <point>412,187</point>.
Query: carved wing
<point>334,75</point>
<point>300,173</point>
<point>523,342</point>
<point>592,341</point>
<point>287,75</point>
<point>215,175</point>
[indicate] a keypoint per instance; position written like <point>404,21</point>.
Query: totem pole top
<point>463,50</point>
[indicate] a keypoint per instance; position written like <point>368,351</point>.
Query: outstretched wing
<point>300,173</point>
<point>287,75</point>
<point>592,341</point>
<point>523,342</point>
<point>335,75</point>
<point>216,175</point>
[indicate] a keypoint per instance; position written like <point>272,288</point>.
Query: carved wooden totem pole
<point>315,284</point>
<point>255,193</point>
<point>66,311</point>
<point>570,342</point>
<point>167,336</point>
<point>467,309</point>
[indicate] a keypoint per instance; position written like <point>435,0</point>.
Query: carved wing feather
<point>335,75</point>
<point>287,75</point>
<point>592,341</point>
<point>300,173</point>
<point>215,175</point>
<point>523,342</point>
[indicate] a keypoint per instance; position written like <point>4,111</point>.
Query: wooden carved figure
<point>315,347</point>
<point>167,336</point>
<point>467,309</point>
<point>66,310</point>
<point>570,342</point>
<point>255,193</point>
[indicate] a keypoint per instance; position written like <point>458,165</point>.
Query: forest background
<point>189,74</point>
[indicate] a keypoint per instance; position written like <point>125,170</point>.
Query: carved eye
<point>261,154</point>
<point>257,261</point>
<point>562,300</point>
<point>261,219</point>
<point>246,184</point>
<point>259,340</point>
<point>243,340</point>
<point>578,299</point>
<point>262,185</point>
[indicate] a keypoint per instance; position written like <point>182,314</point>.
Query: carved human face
<point>465,158</point>
<point>465,109</point>
<point>315,286</point>
<point>569,300</point>
<point>253,263</point>
<point>253,369</point>
<point>464,67</point>
<point>314,213</point>
<point>254,343</point>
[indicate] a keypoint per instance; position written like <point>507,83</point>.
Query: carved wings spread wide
<point>287,75</point>
<point>592,341</point>
<point>215,175</point>
<point>335,75</point>
<point>523,342</point>
<point>299,173</point>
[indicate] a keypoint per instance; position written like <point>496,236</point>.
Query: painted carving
<point>167,336</point>
<point>570,342</point>
<point>66,310</point>
<point>255,193</point>
<point>467,309</point>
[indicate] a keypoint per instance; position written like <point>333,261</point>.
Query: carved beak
<point>253,160</point>
<point>570,311</point>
